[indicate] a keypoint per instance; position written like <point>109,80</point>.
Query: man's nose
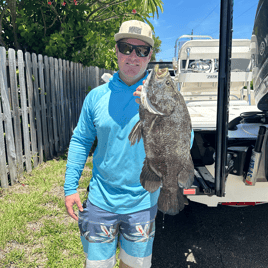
<point>133,54</point>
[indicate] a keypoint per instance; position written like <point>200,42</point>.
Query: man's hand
<point>70,200</point>
<point>138,93</point>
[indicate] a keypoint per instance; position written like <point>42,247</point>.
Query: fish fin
<point>152,124</point>
<point>149,180</point>
<point>171,201</point>
<point>135,133</point>
<point>186,175</point>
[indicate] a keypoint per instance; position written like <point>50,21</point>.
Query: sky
<point>203,17</point>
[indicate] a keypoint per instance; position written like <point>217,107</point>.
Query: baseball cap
<point>135,29</point>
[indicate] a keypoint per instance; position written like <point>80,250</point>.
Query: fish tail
<point>171,201</point>
<point>135,133</point>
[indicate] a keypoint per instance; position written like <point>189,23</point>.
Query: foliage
<point>157,45</point>
<point>77,30</point>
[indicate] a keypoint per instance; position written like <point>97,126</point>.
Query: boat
<point>196,65</point>
<point>197,70</point>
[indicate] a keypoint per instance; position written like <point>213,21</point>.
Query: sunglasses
<point>126,49</point>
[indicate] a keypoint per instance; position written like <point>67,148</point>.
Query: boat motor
<point>259,50</point>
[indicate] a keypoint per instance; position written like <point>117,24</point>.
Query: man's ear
<point>150,55</point>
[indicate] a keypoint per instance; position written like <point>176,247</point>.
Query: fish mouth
<point>145,100</point>
<point>160,73</point>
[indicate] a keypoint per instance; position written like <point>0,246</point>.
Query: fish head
<point>159,94</point>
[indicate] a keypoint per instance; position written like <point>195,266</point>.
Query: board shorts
<point>100,231</point>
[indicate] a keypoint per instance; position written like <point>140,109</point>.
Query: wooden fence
<point>40,102</point>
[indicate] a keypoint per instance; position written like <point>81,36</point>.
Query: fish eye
<point>167,83</point>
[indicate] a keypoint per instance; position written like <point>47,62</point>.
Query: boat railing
<point>197,70</point>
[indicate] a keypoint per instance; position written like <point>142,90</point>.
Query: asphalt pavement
<point>208,237</point>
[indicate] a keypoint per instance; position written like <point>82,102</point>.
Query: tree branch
<point>114,17</point>
<point>2,42</point>
<point>13,12</point>
<point>55,11</point>
<point>105,6</point>
<point>45,26</point>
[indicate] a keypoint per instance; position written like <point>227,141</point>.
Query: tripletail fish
<point>165,127</point>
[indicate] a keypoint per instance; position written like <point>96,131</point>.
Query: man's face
<point>132,67</point>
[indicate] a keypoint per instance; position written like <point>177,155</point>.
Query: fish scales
<point>165,127</point>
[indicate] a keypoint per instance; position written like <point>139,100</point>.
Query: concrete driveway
<point>205,237</point>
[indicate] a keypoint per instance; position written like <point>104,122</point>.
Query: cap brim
<point>143,38</point>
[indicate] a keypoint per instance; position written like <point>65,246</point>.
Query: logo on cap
<point>133,29</point>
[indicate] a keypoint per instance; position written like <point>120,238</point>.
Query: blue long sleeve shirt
<point>110,112</point>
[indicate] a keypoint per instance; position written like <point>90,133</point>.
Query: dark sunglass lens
<point>142,51</point>
<point>125,48</point>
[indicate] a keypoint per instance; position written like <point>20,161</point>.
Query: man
<point>117,204</point>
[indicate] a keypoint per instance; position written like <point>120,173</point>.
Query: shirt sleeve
<point>80,144</point>
<point>192,139</point>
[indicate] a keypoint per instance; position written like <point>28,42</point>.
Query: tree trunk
<point>12,6</point>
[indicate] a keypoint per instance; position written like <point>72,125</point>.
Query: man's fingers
<point>79,205</point>
<point>137,93</point>
<point>69,203</point>
<point>138,101</point>
<point>139,88</point>
<point>72,214</point>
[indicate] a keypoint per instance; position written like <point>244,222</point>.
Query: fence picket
<point>37,109</point>
<point>3,63</point>
<point>78,90</point>
<point>69,108</point>
<point>25,123</point>
<point>43,106</point>
<point>75,92</point>
<point>97,76</point>
<point>62,103</point>
<point>15,108</point>
<point>88,81</point>
<point>72,94</point>
<point>53,103</point>
<point>49,107</point>
<point>65,101</point>
<point>58,106</point>
<point>29,79</point>
<point>3,169</point>
<point>8,128</point>
<point>92,77</point>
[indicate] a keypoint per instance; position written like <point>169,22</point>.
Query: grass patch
<point>36,230</point>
